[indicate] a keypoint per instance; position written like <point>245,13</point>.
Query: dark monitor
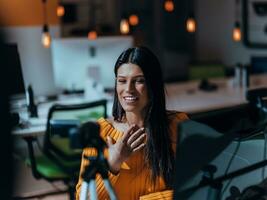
<point>14,66</point>
<point>198,145</point>
<point>242,119</point>
<point>211,138</point>
<point>258,65</point>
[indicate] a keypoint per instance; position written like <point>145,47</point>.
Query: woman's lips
<point>130,99</point>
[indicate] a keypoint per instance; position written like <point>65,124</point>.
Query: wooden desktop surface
<point>188,98</point>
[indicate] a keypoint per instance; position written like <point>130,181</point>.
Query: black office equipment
<point>198,144</point>
<point>32,108</point>
<point>243,120</point>
<point>14,66</point>
<point>89,133</point>
<point>206,85</point>
<point>258,64</point>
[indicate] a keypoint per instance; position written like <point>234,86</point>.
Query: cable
<point>228,167</point>
<point>264,152</point>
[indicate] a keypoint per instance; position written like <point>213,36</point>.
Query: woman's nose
<point>129,86</point>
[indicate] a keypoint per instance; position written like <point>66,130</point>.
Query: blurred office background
<point>163,30</point>
<point>192,38</point>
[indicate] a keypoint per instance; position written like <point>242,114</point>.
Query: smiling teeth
<point>130,98</point>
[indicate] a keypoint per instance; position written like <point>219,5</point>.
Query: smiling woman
<point>141,136</point>
<point>131,88</point>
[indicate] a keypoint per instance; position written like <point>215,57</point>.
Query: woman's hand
<point>131,141</point>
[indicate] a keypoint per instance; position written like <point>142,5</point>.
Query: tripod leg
<point>84,191</point>
<point>92,189</point>
<point>110,190</point>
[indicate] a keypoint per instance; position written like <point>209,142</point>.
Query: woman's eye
<point>140,80</point>
<point>121,80</point>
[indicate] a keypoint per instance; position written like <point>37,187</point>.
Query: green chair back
<point>205,71</point>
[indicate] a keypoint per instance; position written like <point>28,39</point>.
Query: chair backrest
<point>57,147</point>
<point>206,71</point>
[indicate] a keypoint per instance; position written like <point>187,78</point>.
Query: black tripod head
<point>89,136</point>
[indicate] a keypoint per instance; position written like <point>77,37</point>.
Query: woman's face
<point>131,88</point>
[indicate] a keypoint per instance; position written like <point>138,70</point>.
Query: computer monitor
<point>258,65</point>
<point>243,119</point>
<point>76,59</point>
<point>198,145</point>
<point>13,64</point>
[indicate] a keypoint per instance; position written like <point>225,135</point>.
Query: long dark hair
<point>159,153</point>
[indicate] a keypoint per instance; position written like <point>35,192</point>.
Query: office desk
<point>184,97</point>
<point>188,98</point>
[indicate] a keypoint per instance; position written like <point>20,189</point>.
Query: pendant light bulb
<point>191,25</point>
<point>60,11</point>
<point>46,38</point>
<point>237,35</point>
<point>169,5</point>
<point>124,27</point>
<point>92,35</point>
<point>133,20</point>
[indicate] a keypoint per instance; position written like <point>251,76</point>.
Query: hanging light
<point>124,26</point>
<point>60,10</point>
<point>237,35</point>
<point>92,35</point>
<point>169,5</point>
<point>133,20</point>
<point>191,24</point>
<point>46,38</point>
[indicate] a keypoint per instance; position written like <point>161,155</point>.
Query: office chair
<point>206,71</point>
<point>57,160</point>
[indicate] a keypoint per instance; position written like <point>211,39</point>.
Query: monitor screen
<point>77,59</point>
<point>13,64</point>
<point>197,145</point>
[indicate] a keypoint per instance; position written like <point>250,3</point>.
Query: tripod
<point>97,165</point>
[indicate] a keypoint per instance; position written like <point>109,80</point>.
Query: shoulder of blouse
<point>107,129</point>
<point>177,116</point>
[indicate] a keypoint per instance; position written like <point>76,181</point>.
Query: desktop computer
<point>75,60</point>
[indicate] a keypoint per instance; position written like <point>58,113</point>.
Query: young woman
<point>141,136</point>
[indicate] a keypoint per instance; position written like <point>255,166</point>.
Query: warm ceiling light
<point>60,11</point>
<point>92,35</point>
<point>191,25</point>
<point>46,38</point>
<point>169,5</point>
<point>133,20</point>
<point>124,26</point>
<point>237,35</point>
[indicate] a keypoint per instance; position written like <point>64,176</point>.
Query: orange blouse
<point>133,181</point>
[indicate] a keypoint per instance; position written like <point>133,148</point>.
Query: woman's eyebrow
<point>137,76</point>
